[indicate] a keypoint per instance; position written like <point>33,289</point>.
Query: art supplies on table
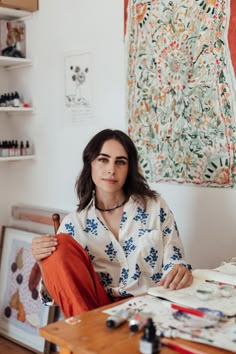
<point>213,328</point>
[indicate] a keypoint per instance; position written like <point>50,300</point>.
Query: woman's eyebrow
<point>117,157</point>
<point>102,154</point>
<point>122,157</point>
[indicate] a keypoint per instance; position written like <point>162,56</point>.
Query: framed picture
<point>21,310</point>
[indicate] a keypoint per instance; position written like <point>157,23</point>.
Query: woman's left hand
<point>178,277</point>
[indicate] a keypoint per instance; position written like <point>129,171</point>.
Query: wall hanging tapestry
<point>181,82</point>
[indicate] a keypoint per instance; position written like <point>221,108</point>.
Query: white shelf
<point>12,63</point>
<point>18,110</point>
<point>17,158</point>
<point>11,14</point>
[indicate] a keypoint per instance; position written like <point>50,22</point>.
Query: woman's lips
<point>111,181</point>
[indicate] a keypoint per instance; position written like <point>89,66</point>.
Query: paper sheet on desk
<point>187,296</point>
<point>219,336</point>
<point>227,268</point>
<point>225,273</point>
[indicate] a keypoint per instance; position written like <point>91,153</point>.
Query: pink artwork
<point>21,310</point>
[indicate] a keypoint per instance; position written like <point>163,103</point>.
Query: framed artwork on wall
<point>21,310</point>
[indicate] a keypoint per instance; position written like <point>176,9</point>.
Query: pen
<point>219,283</point>
<point>189,310</point>
<point>138,321</point>
<point>135,325</point>
<point>193,335</point>
<point>181,348</point>
<point>117,319</point>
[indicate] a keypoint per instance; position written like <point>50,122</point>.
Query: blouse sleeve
<point>67,226</point>
<point>173,246</point>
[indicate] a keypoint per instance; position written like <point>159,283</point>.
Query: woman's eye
<point>102,159</point>
<point>120,162</point>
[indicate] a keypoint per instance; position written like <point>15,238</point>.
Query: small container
<point>226,290</point>
<point>149,343</point>
<point>204,294</point>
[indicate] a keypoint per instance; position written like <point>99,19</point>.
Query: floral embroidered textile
<point>181,112</point>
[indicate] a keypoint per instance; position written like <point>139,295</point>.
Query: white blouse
<point>148,245</point>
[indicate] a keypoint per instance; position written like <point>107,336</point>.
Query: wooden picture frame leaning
<point>21,311</point>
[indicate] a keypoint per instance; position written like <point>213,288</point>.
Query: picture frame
<point>21,310</point>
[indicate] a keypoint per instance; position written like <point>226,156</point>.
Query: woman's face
<point>110,168</point>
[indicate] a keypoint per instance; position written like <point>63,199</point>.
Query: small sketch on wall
<point>79,78</point>
<point>78,84</point>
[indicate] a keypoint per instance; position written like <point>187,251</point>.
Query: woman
<point>124,237</point>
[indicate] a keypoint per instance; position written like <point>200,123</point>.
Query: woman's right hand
<point>43,246</point>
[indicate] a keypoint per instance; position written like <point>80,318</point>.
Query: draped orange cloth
<point>71,280</point>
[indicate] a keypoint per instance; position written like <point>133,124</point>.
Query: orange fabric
<point>232,34</point>
<point>70,278</point>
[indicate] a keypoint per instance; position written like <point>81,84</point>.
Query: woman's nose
<point>111,168</point>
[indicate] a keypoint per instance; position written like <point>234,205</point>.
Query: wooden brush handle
<point>56,221</point>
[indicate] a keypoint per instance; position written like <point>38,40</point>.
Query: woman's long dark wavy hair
<point>135,183</point>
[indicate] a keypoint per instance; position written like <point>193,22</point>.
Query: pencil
<point>193,335</point>
<point>219,283</point>
<point>189,310</point>
<point>181,348</point>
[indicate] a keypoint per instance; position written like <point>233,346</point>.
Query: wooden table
<point>91,336</point>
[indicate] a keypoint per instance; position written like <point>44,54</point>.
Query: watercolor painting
<point>21,310</point>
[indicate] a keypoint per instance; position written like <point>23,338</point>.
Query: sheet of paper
<point>225,274</point>
<point>188,296</point>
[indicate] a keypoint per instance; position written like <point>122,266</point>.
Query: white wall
<point>205,216</point>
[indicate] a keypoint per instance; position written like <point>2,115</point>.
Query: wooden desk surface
<point>91,336</point>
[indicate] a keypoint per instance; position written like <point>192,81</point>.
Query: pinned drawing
<point>78,85</point>
<point>77,76</point>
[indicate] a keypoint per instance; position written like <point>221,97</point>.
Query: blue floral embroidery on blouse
<point>167,266</point>
<point>129,246</point>
<point>142,232</point>
<point>123,293</point>
<point>91,227</point>
<point>141,216</point>
<point>111,252</point>
<point>90,255</point>
<point>188,266</point>
<point>70,228</point>
<point>162,215</point>
<point>156,277</point>
<point>106,279</point>
<point>124,276</point>
<point>123,219</point>
<point>166,231</point>
<point>137,272</point>
<point>152,258</point>
<point>177,254</point>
